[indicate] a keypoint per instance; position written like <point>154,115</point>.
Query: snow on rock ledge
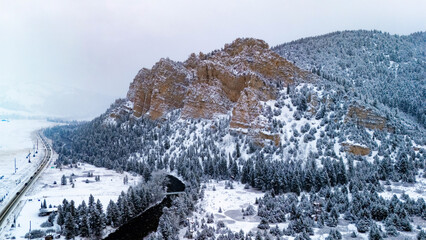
<point>232,80</point>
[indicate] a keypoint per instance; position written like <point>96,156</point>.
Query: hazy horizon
<point>72,59</point>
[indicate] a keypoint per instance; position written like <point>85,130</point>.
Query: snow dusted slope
<point>384,68</point>
<point>232,80</point>
<point>312,144</point>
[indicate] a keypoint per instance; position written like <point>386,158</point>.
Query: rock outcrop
<point>160,89</point>
<point>229,81</point>
<point>356,149</point>
<point>367,118</point>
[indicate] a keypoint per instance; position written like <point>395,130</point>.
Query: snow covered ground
<point>413,190</point>
<point>17,139</point>
<point>109,187</point>
<point>230,202</point>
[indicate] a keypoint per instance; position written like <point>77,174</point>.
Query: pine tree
<point>375,233</point>
<point>102,217</point>
<point>82,209</point>
<point>334,235</point>
<point>295,186</point>
<point>69,227</point>
<point>65,206</point>
<point>341,174</point>
<point>63,180</point>
<point>234,171</point>
<point>404,167</point>
<point>52,217</point>
<point>92,214</point>
<point>303,236</point>
<point>42,205</point>
<point>126,211</point>
<point>333,219</point>
<point>238,151</point>
<point>421,235</point>
<point>391,230</point>
<point>263,224</point>
<point>96,223</point>
<point>246,172</point>
<point>167,225</point>
<point>135,200</point>
<point>99,206</point>
<point>61,216</point>
<point>379,211</point>
<point>109,213</point>
<point>84,226</point>
<point>91,201</point>
<point>309,180</point>
<point>363,225</point>
<point>72,209</point>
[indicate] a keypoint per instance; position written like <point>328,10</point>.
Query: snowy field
<point>230,202</point>
<point>414,190</point>
<point>17,139</point>
<point>226,205</point>
<point>109,187</point>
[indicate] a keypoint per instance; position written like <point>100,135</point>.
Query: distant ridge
<point>384,68</point>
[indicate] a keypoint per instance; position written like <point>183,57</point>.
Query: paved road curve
<point>10,206</point>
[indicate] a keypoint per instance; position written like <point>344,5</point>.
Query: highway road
<point>15,200</point>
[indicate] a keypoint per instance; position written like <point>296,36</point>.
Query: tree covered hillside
<point>327,154</point>
<point>385,68</point>
<point>313,160</point>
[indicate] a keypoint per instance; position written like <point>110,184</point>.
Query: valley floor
<point>226,205</point>
<point>17,140</point>
<point>108,188</point>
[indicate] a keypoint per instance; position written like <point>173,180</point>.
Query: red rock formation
<point>233,80</point>
<point>356,149</point>
<point>367,118</point>
<point>160,89</point>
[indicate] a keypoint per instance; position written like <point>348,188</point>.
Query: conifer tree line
<point>194,149</point>
<point>386,68</point>
<point>89,220</point>
<point>86,220</point>
<point>359,204</point>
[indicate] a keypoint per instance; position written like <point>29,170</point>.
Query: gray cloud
<point>74,57</point>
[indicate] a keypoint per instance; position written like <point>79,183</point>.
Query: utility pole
<point>29,233</point>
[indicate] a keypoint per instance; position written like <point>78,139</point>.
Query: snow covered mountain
<point>244,113</point>
<point>233,81</point>
<point>384,68</point>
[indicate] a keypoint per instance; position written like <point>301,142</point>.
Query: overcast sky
<point>74,58</point>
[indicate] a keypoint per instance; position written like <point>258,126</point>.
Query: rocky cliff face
<point>356,149</point>
<point>160,89</point>
<point>367,118</point>
<point>229,81</point>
